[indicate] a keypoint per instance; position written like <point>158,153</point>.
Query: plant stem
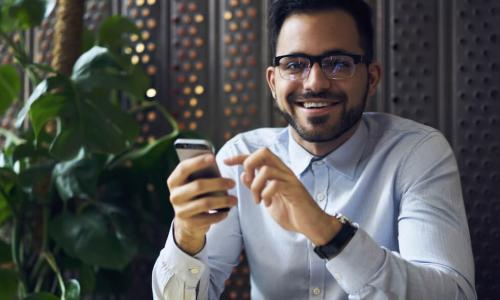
<point>53,265</point>
<point>17,257</point>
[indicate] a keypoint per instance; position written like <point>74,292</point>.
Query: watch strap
<point>339,241</point>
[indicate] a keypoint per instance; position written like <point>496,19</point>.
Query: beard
<point>348,118</point>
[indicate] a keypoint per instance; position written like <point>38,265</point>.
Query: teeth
<point>315,104</point>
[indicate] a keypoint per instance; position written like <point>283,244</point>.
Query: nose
<point>316,79</point>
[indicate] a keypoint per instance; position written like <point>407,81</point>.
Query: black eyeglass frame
<point>357,58</point>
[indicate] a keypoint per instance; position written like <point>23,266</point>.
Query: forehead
<point>317,32</point>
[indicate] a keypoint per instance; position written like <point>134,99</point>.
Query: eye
<point>337,64</point>
<point>294,64</point>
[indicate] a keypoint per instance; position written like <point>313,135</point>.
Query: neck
<point>324,148</point>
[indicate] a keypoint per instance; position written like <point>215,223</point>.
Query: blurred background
<point>87,147</point>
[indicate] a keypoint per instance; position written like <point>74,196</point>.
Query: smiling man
<point>339,204</point>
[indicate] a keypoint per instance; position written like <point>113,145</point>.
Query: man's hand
<point>191,204</point>
<point>285,197</point>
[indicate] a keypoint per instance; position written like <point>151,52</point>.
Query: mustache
<point>295,97</point>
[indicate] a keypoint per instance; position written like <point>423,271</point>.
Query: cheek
<point>285,88</point>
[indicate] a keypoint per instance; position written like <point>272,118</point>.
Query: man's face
<point>315,34</point>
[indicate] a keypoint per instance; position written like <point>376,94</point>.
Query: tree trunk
<point>68,35</point>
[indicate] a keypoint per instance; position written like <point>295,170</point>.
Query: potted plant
<point>80,200</point>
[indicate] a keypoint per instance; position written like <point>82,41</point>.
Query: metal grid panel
<point>145,51</point>
<point>241,72</point>
<point>476,135</point>
<point>413,67</point>
<point>189,60</point>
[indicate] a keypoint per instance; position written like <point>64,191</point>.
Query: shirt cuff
<point>188,268</point>
<point>357,263</point>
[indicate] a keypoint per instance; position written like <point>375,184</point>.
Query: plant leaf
<point>10,86</point>
<point>98,68</point>
<point>114,31</point>
<point>42,296</point>
<point>47,107</point>
<point>107,241</point>
<point>78,177</point>
<point>52,83</point>
<point>8,284</point>
<point>72,290</point>
<point>30,13</point>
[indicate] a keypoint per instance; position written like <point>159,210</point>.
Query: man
<point>396,180</point>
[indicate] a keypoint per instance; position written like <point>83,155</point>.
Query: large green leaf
<point>50,86</point>
<point>104,240</point>
<point>48,107</point>
<point>42,296</point>
<point>10,86</point>
<point>98,68</point>
<point>8,284</point>
<point>94,128</point>
<point>30,13</point>
<point>114,31</point>
<point>78,177</point>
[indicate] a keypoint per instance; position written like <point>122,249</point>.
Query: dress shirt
<point>396,179</point>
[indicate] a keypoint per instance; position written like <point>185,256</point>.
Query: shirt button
<point>194,270</point>
<point>316,291</point>
<point>320,196</point>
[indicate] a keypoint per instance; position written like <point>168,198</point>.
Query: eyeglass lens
<point>334,67</point>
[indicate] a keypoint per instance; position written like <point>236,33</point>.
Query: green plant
<point>77,196</point>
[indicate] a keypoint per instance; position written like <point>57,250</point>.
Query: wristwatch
<point>339,241</point>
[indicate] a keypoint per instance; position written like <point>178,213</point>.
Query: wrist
<point>327,228</point>
<point>188,241</point>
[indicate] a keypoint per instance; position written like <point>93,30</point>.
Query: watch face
<point>342,219</point>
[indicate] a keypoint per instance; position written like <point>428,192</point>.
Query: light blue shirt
<point>395,178</point>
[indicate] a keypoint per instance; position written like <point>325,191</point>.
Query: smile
<point>317,104</point>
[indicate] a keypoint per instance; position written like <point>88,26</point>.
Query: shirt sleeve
<point>435,257</point>
<point>179,276</point>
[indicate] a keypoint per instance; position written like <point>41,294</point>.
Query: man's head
<point>358,9</point>
<point>322,71</point>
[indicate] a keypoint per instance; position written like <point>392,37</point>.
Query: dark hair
<point>279,10</point>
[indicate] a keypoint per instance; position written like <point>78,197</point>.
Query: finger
<point>186,167</point>
<point>194,189</point>
<point>260,158</point>
<point>236,160</point>
<point>264,175</point>
<point>203,205</point>
<point>271,189</point>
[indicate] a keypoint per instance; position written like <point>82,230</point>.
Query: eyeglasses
<point>335,65</point>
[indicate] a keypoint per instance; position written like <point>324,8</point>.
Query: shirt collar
<point>343,159</point>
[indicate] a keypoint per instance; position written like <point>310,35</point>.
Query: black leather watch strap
<point>338,242</point>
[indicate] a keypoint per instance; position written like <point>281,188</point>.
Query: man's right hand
<point>191,204</point>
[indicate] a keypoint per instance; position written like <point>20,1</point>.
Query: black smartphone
<point>188,148</point>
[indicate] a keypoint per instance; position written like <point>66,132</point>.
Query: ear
<point>374,74</point>
<point>270,77</point>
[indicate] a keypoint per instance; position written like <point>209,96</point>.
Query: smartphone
<point>189,148</point>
